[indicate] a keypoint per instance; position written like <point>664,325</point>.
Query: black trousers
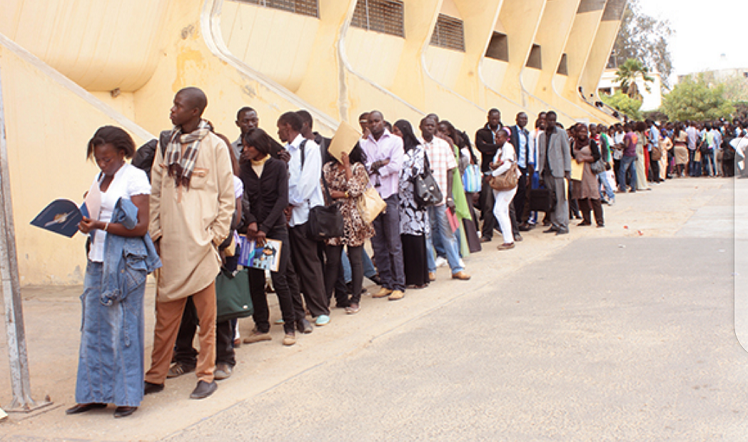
<point>588,204</point>
<point>308,269</point>
<point>186,354</point>
<point>486,207</point>
<point>654,171</point>
<point>261,314</point>
<point>334,270</point>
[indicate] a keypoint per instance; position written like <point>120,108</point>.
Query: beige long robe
<point>191,223</point>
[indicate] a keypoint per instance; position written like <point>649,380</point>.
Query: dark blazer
<point>486,145</point>
<point>514,139</point>
<point>266,196</point>
<point>558,153</point>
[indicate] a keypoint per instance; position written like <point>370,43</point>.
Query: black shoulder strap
<point>303,153</point>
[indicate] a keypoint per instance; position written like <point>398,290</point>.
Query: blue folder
<point>61,216</point>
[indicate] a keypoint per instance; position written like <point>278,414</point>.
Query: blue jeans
<point>603,178</point>
<point>626,164</point>
<point>710,165</point>
<point>369,270</point>
<point>440,229</point>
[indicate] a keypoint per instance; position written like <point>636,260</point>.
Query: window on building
<point>449,33</point>
<point>303,7</point>
<point>498,48</point>
<point>535,60</point>
<point>563,66</point>
<point>385,16</point>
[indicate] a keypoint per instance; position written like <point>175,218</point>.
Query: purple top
<point>629,142</point>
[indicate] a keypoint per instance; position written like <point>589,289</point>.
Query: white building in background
<point>651,100</point>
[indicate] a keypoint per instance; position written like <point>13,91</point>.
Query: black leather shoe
<point>82,408</point>
<point>524,227</point>
<point>203,390</point>
<point>124,411</point>
<point>304,326</point>
<point>551,230</point>
<point>152,388</point>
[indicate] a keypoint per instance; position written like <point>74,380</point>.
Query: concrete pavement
<point>623,333</point>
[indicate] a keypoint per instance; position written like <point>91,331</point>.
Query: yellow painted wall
<point>374,55</point>
<point>494,72</point>
<point>520,20</point>
<point>253,32</point>
<point>444,65</point>
<point>99,44</point>
<point>48,122</point>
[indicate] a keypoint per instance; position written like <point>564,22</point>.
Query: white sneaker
<point>441,262</point>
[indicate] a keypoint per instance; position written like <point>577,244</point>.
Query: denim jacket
<point>127,261</point>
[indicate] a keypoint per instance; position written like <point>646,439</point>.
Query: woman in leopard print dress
<point>347,180</point>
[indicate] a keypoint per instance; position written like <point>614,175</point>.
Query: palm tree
<point>628,73</point>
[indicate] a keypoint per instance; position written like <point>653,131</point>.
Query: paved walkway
<point>622,333</point>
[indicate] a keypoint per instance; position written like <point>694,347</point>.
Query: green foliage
<point>695,99</point>
<point>628,73</point>
<point>624,104</point>
<point>644,38</point>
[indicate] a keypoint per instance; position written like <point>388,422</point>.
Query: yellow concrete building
<point>70,66</point>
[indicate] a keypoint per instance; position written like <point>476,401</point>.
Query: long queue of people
<point>187,199</point>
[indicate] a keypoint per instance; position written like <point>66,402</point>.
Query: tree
<point>628,73</point>
<point>624,104</point>
<point>644,38</point>
<point>694,99</point>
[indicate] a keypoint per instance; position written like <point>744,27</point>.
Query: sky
<point>704,30</point>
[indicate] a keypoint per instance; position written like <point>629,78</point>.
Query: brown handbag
<point>506,181</point>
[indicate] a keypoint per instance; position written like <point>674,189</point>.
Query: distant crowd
<point>422,196</point>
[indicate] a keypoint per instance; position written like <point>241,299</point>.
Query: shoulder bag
<point>324,221</point>
<point>507,180</point>
<point>426,191</point>
<point>370,204</point>
<point>472,179</point>
<point>598,166</point>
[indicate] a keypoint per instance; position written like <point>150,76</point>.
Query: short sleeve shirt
<point>442,158</point>
<point>128,182</point>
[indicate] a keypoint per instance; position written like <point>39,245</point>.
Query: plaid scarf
<point>181,166</point>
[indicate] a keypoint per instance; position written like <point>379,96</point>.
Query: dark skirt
<point>471,228</point>
<point>414,257</point>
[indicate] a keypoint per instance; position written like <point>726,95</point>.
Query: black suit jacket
<point>486,144</point>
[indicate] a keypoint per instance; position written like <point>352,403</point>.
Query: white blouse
<point>127,182</point>
<point>505,154</point>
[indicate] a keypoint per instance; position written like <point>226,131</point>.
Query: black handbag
<point>324,221</point>
<point>541,200</point>
<point>426,191</point>
<point>232,295</point>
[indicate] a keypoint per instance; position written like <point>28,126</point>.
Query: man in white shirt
<point>304,193</point>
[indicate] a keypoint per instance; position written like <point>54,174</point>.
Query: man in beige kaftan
<point>192,202</point>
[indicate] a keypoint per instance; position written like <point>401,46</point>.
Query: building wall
<point>251,32</point>
<point>114,62</point>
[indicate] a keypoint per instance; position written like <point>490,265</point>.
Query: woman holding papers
<point>347,179</point>
<point>110,366</point>
<point>266,195</point>
<point>586,191</point>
